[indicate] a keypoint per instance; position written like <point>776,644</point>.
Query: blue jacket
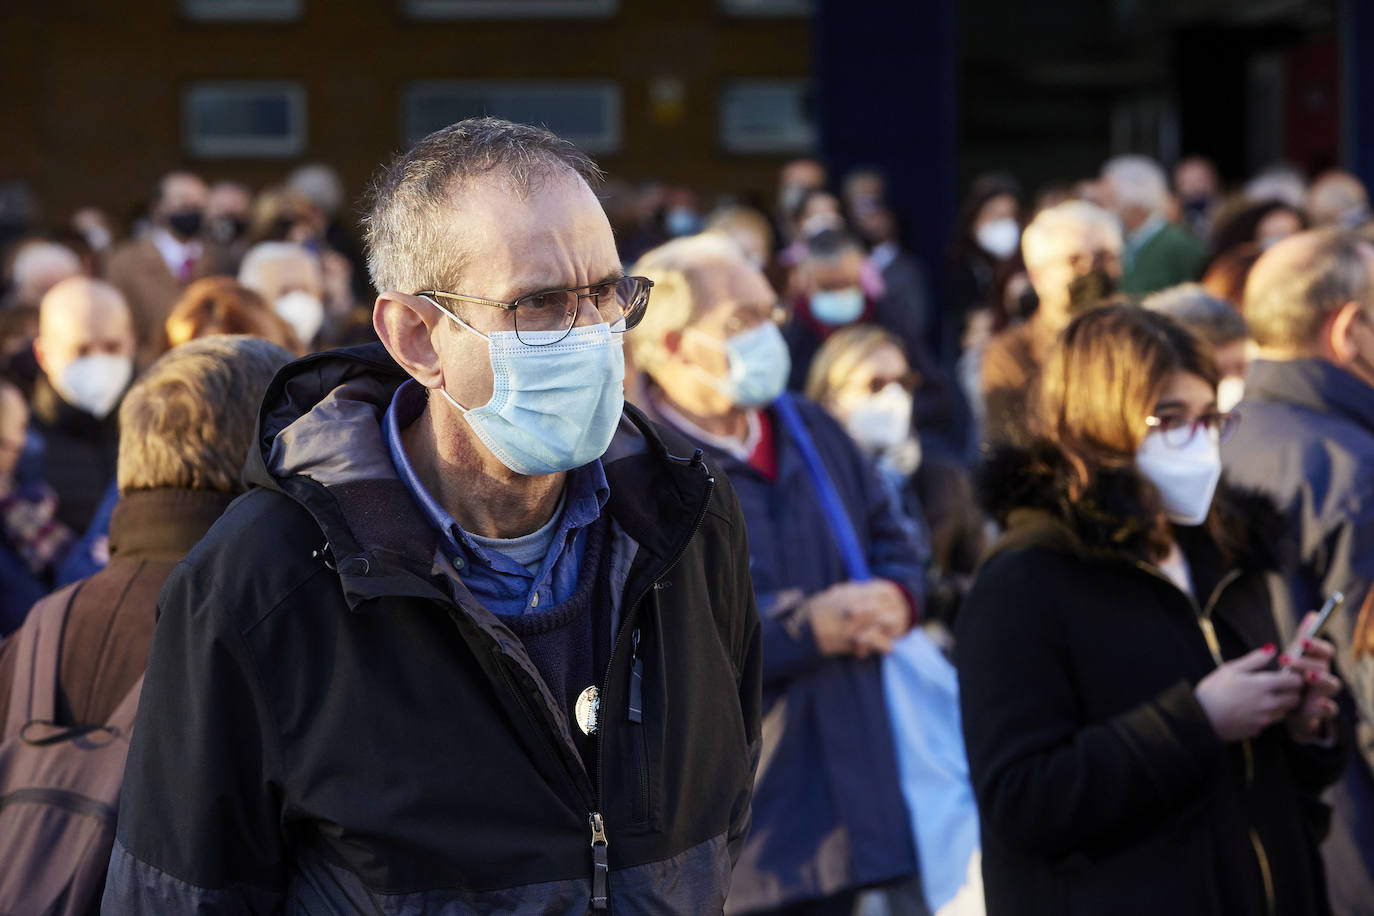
<point>828,809</point>
<point>1306,438</point>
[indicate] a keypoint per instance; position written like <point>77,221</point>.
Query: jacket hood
<point>319,441</point>
<point>1026,490</point>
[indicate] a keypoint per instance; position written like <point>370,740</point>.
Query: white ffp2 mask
<point>1186,477</point>
<point>94,383</point>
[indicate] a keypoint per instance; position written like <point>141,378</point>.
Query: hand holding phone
<point>1311,657</point>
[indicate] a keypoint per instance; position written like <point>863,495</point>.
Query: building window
<point>508,9</point>
<point>766,7</point>
<point>767,117</point>
<point>242,10</point>
<point>244,119</point>
<point>585,112</point>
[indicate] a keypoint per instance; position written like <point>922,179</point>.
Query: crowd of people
<point>784,571</point>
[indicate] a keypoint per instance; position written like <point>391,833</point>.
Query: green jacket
<point>1168,257</point>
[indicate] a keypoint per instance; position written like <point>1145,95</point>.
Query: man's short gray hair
<point>1214,320</point>
<point>1287,308</point>
<point>1137,181</point>
<point>188,422</point>
<point>410,242</point>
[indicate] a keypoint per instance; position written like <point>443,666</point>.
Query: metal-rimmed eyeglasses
<point>538,317</point>
<point>1178,431</point>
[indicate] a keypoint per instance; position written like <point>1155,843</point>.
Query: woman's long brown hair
<point>1100,383</point>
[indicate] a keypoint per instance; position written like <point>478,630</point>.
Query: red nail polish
<point>1284,660</point>
<point>1267,647</point>
<point>1307,643</point>
<point>1313,676</point>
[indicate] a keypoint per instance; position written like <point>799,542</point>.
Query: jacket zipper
<point>1209,633</point>
<point>600,843</point>
<point>634,714</point>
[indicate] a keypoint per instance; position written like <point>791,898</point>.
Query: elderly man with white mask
<point>288,276</point>
<point>482,638</point>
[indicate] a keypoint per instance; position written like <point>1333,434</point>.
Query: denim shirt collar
<point>587,489</point>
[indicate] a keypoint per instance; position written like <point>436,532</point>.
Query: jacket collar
<point>163,524</point>
<point>326,410</point>
<point>1312,383</point>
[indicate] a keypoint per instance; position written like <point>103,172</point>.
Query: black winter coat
<point>324,729</point>
<point>1101,785</point>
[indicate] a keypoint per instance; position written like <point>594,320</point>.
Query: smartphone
<point>1318,626</point>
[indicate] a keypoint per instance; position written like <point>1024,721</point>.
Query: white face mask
<point>1185,477</point>
<point>882,421</point>
<point>94,383</point>
<point>1230,391</point>
<point>1000,237</point>
<point>304,312</point>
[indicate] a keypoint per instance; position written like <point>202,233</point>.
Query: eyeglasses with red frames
<point>1178,431</point>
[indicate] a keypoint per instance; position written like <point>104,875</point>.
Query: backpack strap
<point>122,719</point>
<point>33,692</point>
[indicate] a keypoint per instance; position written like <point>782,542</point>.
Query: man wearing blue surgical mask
<point>717,365</point>
<point>501,642</point>
<point>829,295</point>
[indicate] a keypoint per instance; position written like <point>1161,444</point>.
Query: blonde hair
<point>188,422</point>
<point>675,269</point>
<point>841,354</point>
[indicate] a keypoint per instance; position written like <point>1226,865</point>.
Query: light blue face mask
<point>553,407</point>
<point>758,365</point>
<point>837,306</point>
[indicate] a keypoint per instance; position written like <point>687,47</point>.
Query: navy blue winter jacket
<point>828,810</point>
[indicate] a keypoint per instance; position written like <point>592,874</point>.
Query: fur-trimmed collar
<point>1026,490</point>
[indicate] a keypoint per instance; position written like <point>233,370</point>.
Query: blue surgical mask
<point>553,407</point>
<point>837,306</point>
<point>758,366</point>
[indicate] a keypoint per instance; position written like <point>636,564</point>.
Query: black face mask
<point>1090,290</point>
<point>186,223</point>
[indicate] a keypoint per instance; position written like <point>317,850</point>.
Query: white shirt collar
<point>728,444</point>
<point>174,251</point>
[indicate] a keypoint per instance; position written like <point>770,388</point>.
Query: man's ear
<point>406,326</point>
<point>1339,328</point>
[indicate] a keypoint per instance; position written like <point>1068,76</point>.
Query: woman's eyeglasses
<point>1178,431</point>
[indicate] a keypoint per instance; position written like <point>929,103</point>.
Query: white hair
<point>43,260</point>
<point>1137,181</point>
<point>319,184</point>
<point>675,267</point>
<point>1038,240</point>
<point>262,255</point>
<point>1280,182</point>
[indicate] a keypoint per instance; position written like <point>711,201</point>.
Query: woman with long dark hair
<point>1137,741</point>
